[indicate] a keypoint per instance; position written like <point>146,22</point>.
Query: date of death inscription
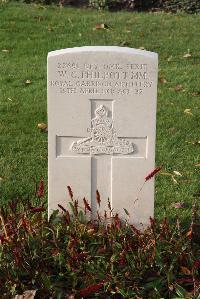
<point>105,79</point>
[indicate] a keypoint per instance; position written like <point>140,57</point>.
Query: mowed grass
<point>29,32</point>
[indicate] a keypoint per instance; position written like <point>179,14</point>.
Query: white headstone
<point>102,125</point>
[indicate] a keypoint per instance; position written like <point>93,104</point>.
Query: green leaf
<point>181,292</point>
<point>81,216</point>
<point>127,213</point>
<point>123,293</point>
<point>72,207</point>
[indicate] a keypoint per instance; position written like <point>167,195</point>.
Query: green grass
<point>29,32</point>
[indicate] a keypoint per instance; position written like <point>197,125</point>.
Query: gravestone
<point>102,125</point>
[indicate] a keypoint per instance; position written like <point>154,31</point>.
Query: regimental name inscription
<point>102,79</point>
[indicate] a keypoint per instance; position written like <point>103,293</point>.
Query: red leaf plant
<point>197,264</point>
<point>152,173</point>
<point>75,207</point>
<point>98,198</point>
<point>17,255</point>
<point>67,218</point>
<point>70,193</point>
<point>147,178</point>
<point>37,209</point>
<point>98,216</point>
<point>109,204</point>
<point>3,239</point>
<point>87,206</point>
<point>67,215</point>
<point>62,208</point>
<point>40,192</point>
<point>25,223</point>
<point>117,222</point>
<point>91,289</point>
<point>185,280</point>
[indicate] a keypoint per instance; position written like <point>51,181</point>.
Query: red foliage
<point>25,224</point>
<point>40,192</point>
<point>37,209</point>
<point>62,208</point>
<point>152,222</point>
<point>87,206</point>
<point>67,218</point>
<point>98,216</point>
<point>91,289</point>
<point>197,264</point>
<point>153,173</point>
<point>3,239</point>
<point>122,261</point>
<point>76,207</point>
<point>117,222</point>
<point>70,192</point>
<point>98,198</point>
<point>17,255</point>
<point>185,279</point>
<point>109,205</point>
<point>135,230</point>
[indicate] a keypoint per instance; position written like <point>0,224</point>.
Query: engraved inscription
<point>105,79</point>
<point>103,138</point>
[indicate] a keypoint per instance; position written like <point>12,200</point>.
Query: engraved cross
<point>103,146</point>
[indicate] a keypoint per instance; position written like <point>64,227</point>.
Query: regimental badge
<point>103,138</point>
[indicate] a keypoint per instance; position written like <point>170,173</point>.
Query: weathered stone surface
<point>102,125</point>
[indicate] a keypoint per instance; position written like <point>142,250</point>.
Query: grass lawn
<point>29,32</point>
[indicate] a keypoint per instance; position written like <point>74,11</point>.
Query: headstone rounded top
<point>104,49</point>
